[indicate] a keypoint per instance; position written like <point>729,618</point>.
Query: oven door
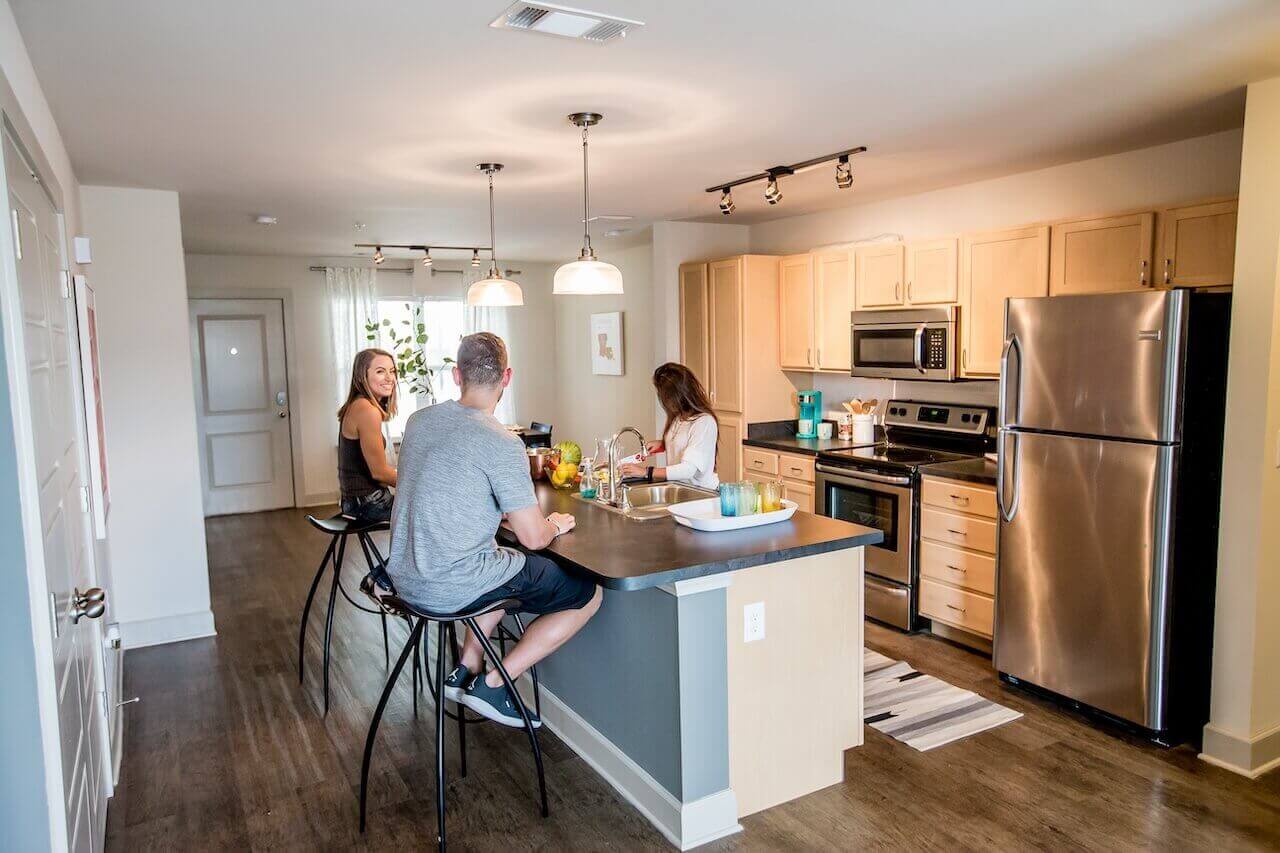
<point>908,350</point>
<point>882,501</point>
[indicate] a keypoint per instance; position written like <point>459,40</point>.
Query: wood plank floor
<point>226,751</point>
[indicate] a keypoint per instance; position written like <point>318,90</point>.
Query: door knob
<point>90,603</point>
<point>284,414</point>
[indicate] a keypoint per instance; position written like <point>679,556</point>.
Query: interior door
<point>833,284</point>
<point>51,366</point>
<point>726,335</point>
<point>695,344</point>
<point>795,312</point>
<point>242,404</point>
<point>1083,575</point>
<point>879,276</point>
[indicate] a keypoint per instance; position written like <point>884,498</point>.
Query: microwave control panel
<point>935,349</point>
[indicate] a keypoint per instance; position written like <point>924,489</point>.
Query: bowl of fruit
<point>564,475</point>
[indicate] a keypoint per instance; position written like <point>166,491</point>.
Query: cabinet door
<point>729,447</point>
<point>801,493</point>
<point>1097,255</point>
<point>833,287</point>
<point>795,312</point>
<point>932,273</point>
<point>993,267</point>
<point>695,351</point>
<point>878,277</point>
<point>726,334</point>
<point>1199,245</point>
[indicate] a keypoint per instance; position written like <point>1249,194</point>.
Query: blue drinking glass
<point>728,499</point>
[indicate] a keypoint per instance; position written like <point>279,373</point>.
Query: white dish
<point>705,515</point>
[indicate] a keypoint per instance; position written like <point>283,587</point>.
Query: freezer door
<point>1083,572</point>
<point>1102,364</point>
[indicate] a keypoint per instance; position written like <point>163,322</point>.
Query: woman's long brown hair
<point>360,385</point>
<point>681,395</point>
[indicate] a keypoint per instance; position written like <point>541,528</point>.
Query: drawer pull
<point>953,607</point>
<point>795,470</point>
<point>957,569</point>
<point>960,499</point>
<point>957,532</point>
<point>759,463</point>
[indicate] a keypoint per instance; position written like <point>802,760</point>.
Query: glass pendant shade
<point>587,276</point>
<point>495,292</point>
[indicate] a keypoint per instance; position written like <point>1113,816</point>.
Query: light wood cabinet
<point>1198,245</point>
<point>761,462</point>
<point>726,334</point>
<point>878,276</point>
<point>958,558</point>
<point>994,266</point>
<point>833,284</point>
<point>794,470</point>
<point>801,493</point>
<point>695,320</point>
<point>932,272</point>
<point>1099,255</point>
<point>729,447</point>
<point>796,336</point>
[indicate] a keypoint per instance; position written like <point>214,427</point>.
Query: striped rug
<point>922,711</point>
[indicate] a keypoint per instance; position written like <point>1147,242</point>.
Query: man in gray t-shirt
<point>460,474</point>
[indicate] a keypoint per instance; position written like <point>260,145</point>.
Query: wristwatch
<point>648,474</point>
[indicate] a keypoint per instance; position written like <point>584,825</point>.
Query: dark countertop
<point>807,446</point>
<point>971,470</point>
<point>621,553</point>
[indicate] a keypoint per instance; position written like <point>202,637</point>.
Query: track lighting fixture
<point>426,259</point>
<point>773,193</point>
<point>378,257</point>
<point>588,274</point>
<point>475,259</point>
<point>844,173</point>
<point>493,291</point>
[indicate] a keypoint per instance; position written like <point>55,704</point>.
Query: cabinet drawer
<point>968,611</point>
<point>966,531</point>
<point>976,572</point>
<point>952,495</point>
<point>760,461</point>
<point>796,467</point>
<point>801,493</point>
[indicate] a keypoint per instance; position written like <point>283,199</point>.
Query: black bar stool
<point>397,606</point>
<point>339,527</point>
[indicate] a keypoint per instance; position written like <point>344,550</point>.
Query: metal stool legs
<point>377,713</point>
<point>328,621</point>
<point>306,610</point>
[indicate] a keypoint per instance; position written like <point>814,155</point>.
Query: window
<point>443,320</point>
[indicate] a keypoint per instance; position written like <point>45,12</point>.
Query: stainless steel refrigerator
<point>1110,455</point>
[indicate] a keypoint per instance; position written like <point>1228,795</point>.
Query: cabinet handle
<point>897,291</point>
<point>808,356</point>
<point>713,395</point>
<point>1142,273</point>
<point>908,291</point>
<point>960,499</point>
<point>957,569</point>
<point>957,532</point>
<point>964,360</point>
<point>953,607</point>
<point>1168,264</point>
<point>819,355</point>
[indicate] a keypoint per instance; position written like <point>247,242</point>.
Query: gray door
<point>1104,364</point>
<point>242,411</point>
<point>1083,570</point>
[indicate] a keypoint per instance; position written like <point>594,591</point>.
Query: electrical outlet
<point>753,622</point>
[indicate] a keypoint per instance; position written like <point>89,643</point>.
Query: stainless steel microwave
<point>915,343</point>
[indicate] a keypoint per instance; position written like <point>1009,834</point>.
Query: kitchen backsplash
<point>836,389</point>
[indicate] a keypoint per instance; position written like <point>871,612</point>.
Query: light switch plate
<point>753,622</point>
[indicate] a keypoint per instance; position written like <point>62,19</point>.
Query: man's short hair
<point>482,359</point>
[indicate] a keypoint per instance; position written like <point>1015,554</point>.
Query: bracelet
<point>648,474</point>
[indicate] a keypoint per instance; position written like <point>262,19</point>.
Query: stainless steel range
<point>878,485</point>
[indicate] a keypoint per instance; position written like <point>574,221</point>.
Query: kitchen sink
<point>649,501</point>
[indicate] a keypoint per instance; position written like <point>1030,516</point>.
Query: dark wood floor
<point>226,751</point>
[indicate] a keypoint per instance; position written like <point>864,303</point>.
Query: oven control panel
<point>972,420</point>
<point>934,356</point>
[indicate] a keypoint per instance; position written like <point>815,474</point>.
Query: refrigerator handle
<point>1007,512</point>
<point>1009,414</point>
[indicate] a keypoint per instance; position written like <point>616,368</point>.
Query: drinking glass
<point>770,496</point>
<point>728,499</point>
<point>747,498</point>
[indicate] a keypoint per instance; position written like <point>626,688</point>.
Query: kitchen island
<point>663,695</point>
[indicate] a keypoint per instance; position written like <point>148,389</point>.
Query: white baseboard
<point>166,629</point>
<point>1250,757</point>
<point>686,825</point>
<point>317,499</point>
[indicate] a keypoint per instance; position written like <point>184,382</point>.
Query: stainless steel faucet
<point>613,485</point>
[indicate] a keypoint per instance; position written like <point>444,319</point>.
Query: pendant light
<point>588,274</point>
<point>493,291</point>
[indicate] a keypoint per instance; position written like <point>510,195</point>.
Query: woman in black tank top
<point>364,476</point>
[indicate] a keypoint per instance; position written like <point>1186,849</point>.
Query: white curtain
<point>497,321</point>
<point>353,301</point>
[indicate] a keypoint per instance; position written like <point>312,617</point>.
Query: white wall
<point>531,339</point>
<point>591,406</point>
<point>1244,728</point>
<point>155,523</point>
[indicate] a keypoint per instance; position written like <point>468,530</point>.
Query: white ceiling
<point>328,112</point>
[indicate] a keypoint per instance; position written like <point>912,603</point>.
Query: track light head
<point>844,173</point>
<point>475,258</point>
<point>772,194</point>
<point>426,259</point>
<point>378,257</point>
<point>726,203</point>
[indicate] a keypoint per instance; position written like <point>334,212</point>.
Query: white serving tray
<point>705,515</point>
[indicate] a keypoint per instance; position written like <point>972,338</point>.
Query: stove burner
<point>888,455</point>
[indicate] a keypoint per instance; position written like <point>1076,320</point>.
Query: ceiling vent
<point>563,21</point>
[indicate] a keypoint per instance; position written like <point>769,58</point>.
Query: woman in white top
<point>690,436</point>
